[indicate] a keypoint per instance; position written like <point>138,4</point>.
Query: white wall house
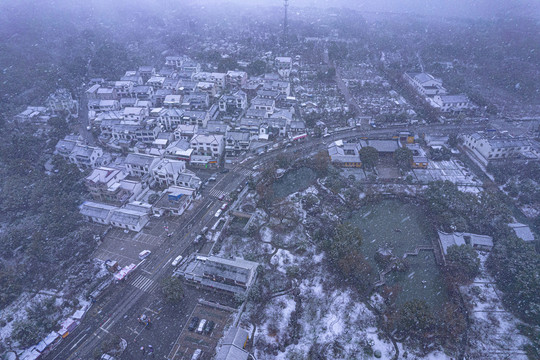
<point>425,84</point>
<point>129,219</point>
<point>452,103</point>
<point>488,149</point>
<point>139,165</point>
<point>209,145</point>
<point>97,212</point>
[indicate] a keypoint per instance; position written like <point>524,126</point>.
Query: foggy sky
<point>459,8</point>
<point>436,8</point>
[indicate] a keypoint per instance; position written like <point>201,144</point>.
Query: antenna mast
<point>285,22</point>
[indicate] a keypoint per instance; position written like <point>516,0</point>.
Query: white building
<point>85,156</point>
<point>135,113</point>
<point>230,275</point>
<point>283,66</point>
<point>208,145</point>
<point>139,165</point>
<point>97,212</point>
<point>452,103</point>
<point>478,242</point>
<point>129,219</point>
<point>425,84</point>
<point>487,149</point>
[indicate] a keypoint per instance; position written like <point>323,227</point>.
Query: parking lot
<point>189,341</point>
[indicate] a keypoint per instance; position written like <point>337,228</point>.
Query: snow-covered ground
<point>343,327</point>
<point>494,330</point>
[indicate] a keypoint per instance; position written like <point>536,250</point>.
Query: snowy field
<point>449,170</point>
<point>494,330</point>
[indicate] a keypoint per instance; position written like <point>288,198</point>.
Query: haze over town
<point>269,179</point>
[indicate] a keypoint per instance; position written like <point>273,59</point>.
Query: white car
<point>177,260</point>
<point>143,254</point>
<point>218,213</point>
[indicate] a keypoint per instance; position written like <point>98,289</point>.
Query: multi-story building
<point>233,103</point>
<point>425,84</point>
<point>101,179</point>
<point>236,79</point>
<point>230,275</point>
<point>140,165</point>
<point>283,66</point>
<point>85,156</point>
<point>488,149</point>
<point>236,142</point>
<point>208,145</point>
<point>452,103</point>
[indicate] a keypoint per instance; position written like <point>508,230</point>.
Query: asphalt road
<point>123,303</point>
<point>116,311</point>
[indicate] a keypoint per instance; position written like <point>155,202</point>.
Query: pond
<point>400,227</point>
<point>294,181</point>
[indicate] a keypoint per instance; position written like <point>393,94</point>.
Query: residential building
<point>172,101</point>
<point>123,88</point>
<point>263,104</point>
<point>283,66</point>
<point>233,345</point>
<point>173,201</point>
<point>425,84</point>
<point>419,159</point>
<point>522,231</point>
<point>486,149</point>
<point>209,145</point>
<point>143,92</point>
<point>135,113</point>
<point>61,100</point>
<point>65,146</point>
<point>140,165</point>
<point>97,212</point>
<point>236,142</point>
<point>344,154</point>
<point>233,103</point>
<point>383,146</point>
<point>85,156</point>
<point>167,171</point>
<point>156,82</point>
<point>218,79</point>
<point>129,219</point>
<point>101,179</point>
<point>106,93</point>
<point>236,79</point>
<point>174,61</point>
<point>196,101</point>
<point>185,131</point>
<point>478,242</point>
<point>196,117</point>
<point>452,103</point>
<point>146,72</point>
<point>179,150</point>
<point>207,87</point>
<point>230,275</point>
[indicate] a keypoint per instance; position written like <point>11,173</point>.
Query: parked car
<point>218,213</point>
<point>193,323</point>
<point>224,171</point>
<point>224,206</point>
<point>209,327</point>
<point>212,178</point>
<point>196,354</point>
<point>177,260</point>
<point>143,254</point>
<point>201,326</point>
